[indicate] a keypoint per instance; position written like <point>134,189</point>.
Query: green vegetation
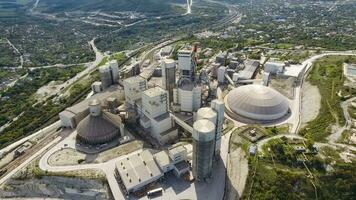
<point>278,175</point>
<point>8,58</point>
<point>352,112</point>
<point>277,183</point>
<point>295,57</point>
<point>10,74</point>
<point>346,137</point>
<point>18,101</point>
<point>327,74</point>
<point>275,130</point>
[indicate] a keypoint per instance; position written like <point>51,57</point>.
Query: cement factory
<point>169,103</point>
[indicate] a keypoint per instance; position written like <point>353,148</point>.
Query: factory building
<point>133,87</point>
<point>141,169</point>
<point>274,68</point>
<point>221,58</point>
<point>156,116</point>
<point>169,77</point>
<point>186,63</point>
<point>249,70</point>
<point>174,159</point>
<point>109,73</point>
<point>188,95</point>
<point>203,149</point>
<point>71,116</point>
<point>132,70</point>
<point>256,102</point>
<point>166,51</point>
<point>99,126</point>
<point>138,170</point>
<point>97,87</point>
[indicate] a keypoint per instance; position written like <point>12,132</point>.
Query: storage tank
<point>221,74</point>
<point>203,149</point>
<point>207,113</point>
<point>114,66</point>
<point>219,107</point>
<point>169,76</point>
<point>105,76</point>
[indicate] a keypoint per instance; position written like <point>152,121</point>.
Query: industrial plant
<point>178,110</point>
<point>177,121</point>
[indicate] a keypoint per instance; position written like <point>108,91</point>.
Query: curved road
<point>307,66</point>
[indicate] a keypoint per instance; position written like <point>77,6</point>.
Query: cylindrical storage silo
<point>95,107</point>
<point>105,76</point>
<point>203,149</point>
<point>207,113</point>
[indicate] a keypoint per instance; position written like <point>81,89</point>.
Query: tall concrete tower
<point>186,63</point>
<point>219,107</point>
<point>203,149</point>
<point>105,76</point>
<point>169,76</point>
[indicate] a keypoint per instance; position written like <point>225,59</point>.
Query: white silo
<point>219,107</point>
<point>197,91</point>
<point>105,76</point>
<point>114,66</point>
<point>207,113</point>
<point>169,76</point>
<point>221,74</point>
<point>203,149</point>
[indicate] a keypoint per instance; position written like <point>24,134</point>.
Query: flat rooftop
<point>153,92</point>
<point>134,79</point>
<point>138,169</point>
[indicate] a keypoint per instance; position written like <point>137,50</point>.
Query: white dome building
<point>257,102</point>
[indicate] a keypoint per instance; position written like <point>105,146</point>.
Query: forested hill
<point>51,6</point>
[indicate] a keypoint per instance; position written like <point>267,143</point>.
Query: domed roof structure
<point>99,126</point>
<point>257,102</point>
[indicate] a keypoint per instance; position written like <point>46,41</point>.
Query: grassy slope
<point>327,74</point>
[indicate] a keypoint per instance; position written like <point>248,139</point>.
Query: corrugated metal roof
<point>137,169</point>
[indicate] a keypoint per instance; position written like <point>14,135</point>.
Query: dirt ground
<point>70,156</point>
<point>33,183</point>
<point>284,86</point>
<point>310,103</point>
<point>55,187</point>
<point>237,171</point>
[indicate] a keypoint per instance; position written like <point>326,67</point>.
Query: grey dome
<point>99,129</point>
<point>257,102</point>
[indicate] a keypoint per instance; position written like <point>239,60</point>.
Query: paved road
<point>344,105</point>
<point>298,90</point>
<point>17,51</point>
<point>107,167</point>
<point>47,129</point>
<point>30,159</point>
